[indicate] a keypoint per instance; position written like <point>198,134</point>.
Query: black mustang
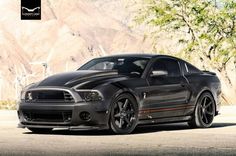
<point>121,92</point>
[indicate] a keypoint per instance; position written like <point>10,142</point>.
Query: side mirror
<point>157,73</point>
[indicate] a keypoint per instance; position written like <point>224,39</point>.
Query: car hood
<point>71,79</point>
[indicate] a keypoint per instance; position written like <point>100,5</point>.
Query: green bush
<point>8,104</point>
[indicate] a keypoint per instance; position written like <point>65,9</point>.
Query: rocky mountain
<point>70,33</point>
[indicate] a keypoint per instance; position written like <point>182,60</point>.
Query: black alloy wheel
<point>204,112</point>
<point>124,114</point>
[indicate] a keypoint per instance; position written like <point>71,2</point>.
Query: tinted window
<point>169,65</point>
<point>105,65</point>
<point>124,65</point>
<point>191,69</point>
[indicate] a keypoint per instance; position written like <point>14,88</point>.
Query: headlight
<point>90,95</point>
<point>22,95</point>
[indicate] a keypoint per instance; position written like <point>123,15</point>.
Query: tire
<point>204,112</point>
<point>40,130</point>
<point>124,114</point>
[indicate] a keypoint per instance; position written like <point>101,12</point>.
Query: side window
<point>167,65</point>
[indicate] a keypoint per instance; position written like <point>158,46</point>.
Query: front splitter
<point>72,128</point>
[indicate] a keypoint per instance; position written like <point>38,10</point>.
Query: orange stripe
<point>144,111</point>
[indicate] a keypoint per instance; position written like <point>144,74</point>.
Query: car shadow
<point>175,127</point>
<point>139,130</point>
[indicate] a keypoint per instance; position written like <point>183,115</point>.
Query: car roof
<point>139,55</point>
<point>130,55</point>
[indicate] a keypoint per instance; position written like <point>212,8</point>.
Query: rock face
<point>70,33</point>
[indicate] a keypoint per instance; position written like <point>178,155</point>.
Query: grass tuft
<point>8,104</point>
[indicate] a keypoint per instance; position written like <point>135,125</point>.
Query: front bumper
<point>63,115</point>
<point>98,119</point>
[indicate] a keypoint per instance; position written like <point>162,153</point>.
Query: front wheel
<point>40,130</point>
<point>204,112</point>
<point>124,114</point>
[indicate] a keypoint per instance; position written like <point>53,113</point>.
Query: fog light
<point>67,117</point>
<point>85,116</point>
<point>27,116</point>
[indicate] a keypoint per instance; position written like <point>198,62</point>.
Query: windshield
<point>123,65</point>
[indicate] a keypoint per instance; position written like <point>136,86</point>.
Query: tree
<point>208,29</point>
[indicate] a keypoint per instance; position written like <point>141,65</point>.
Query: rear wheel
<point>124,114</point>
<point>40,130</point>
<point>204,112</point>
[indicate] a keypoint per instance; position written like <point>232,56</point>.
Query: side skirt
<point>165,120</point>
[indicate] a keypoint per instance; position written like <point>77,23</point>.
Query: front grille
<point>47,116</point>
<point>48,96</point>
<point>68,97</point>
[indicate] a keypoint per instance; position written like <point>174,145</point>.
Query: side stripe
<point>145,111</point>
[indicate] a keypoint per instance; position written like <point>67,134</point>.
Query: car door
<point>168,91</point>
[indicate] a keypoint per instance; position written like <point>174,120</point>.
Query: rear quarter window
<point>190,69</point>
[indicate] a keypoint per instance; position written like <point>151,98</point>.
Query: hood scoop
<point>90,76</point>
<point>73,78</point>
